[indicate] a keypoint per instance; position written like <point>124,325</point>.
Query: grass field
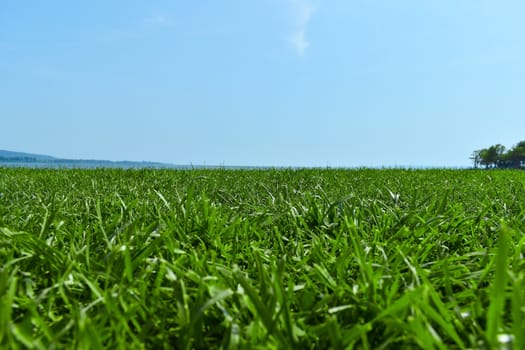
<point>262,259</point>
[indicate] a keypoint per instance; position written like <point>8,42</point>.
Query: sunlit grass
<point>262,259</point>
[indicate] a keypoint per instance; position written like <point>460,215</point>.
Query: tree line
<point>497,156</point>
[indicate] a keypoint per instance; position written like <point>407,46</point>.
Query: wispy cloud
<point>302,12</point>
<point>158,19</point>
<point>299,42</point>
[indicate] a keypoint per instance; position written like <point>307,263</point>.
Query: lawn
<point>262,259</point>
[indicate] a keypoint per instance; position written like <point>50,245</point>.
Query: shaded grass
<point>236,259</point>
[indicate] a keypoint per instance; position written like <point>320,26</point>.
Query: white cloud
<point>302,12</point>
<point>158,19</point>
<point>299,42</point>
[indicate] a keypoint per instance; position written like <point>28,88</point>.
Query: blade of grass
<point>499,284</point>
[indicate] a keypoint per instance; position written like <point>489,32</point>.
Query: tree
<point>484,157</point>
<point>476,158</point>
<point>499,151</point>
<point>496,157</point>
<point>492,156</point>
<point>516,155</point>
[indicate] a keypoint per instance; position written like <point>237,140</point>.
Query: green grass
<point>262,259</point>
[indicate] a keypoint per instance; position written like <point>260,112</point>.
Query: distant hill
<point>30,160</point>
<point>20,155</point>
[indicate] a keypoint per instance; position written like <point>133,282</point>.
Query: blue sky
<point>268,82</point>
